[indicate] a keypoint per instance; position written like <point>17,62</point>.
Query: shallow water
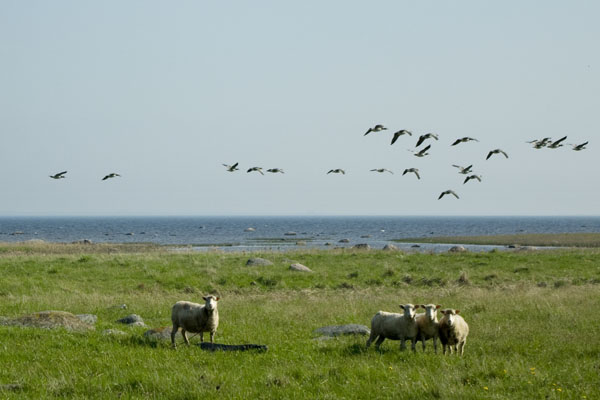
<point>280,233</point>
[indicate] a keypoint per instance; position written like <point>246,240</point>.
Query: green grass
<point>534,333</point>
<point>530,239</point>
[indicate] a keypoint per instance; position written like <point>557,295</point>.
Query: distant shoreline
<point>529,239</point>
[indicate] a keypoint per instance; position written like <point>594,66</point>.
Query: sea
<point>280,233</point>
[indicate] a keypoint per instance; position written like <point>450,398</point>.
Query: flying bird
<point>421,153</point>
<point>556,144</point>
<point>111,175</point>
<point>448,192</point>
<point>60,175</point>
<point>376,128</point>
<point>538,144</point>
<point>579,147</point>
<point>337,171</point>
<point>413,170</point>
<point>497,151</point>
<point>400,133</point>
<point>258,169</point>
<point>464,140</point>
<point>463,170</point>
<point>468,178</point>
<point>231,168</point>
<point>422,138</point>
<point>382,170</point>
<point>275,170</point>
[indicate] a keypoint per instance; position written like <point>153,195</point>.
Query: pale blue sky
<point>165,92</point>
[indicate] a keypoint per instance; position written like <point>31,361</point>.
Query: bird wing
<point>434,136</point>
<point>389,171</point>
<point>489,155</point>
<point>421,139</point>
<point>457,166</point>
<point>425,149</point>
<point>455,195</point>
<point>106,177</point>
<point>330,171</point>
<point>558,141</point>
<point>466,179</point>
<point>441,195</point>
<point>456,142</point>
<point>343,172</point>
<point>505,155</point>
<point>417,174</point>
<point>396,136</point>
<point>369,131</point>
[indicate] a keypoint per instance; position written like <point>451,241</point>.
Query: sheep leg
<point>444,347</point>
<point>434,344</point>
<point>423,340</point>
<point>461,346</point>
<point>173,333</point>
<point>372,337</point>
<point>402,344</point>
<point>201,337</point>
<point>413,344</point>
<point>184,334</point>
<point>212,337</point>
<point>379,341</point>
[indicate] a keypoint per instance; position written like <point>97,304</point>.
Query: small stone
<point>365,236</point>
<point>257,261</point>
<point>361,246</point>
<point>131,319</point>
<point>457,249</point>
<point>88,318</point>
<point>344,241</point>
<point>300,243</point>
<point>390,247</point>
<point>113,332</point>
<point>290,234</point>
<point>163,333</point>
<point>299,267</point>
<point>249,230</point>
<point>338,330</point>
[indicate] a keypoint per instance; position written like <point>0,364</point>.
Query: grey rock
<point>339,330</point>
<point>163,333</point>
<point>300,243</point>
<point>457,249</point>
<point>290,233</point>
<point>130,319</point>
<point>249,230</point>
<point>365,236</point>
<point>11,387</point>
<point>83,241</point>
<point>49,320</point>
<point>390,247</point>
<point>88,318</point>
<point>416,246</point>
<point>138,323</point>
<point>362,246</point>
<point>299,267</point>
<point>113,332</point>
<point>327,244</point>
<point>257,261</point>
<point>344,241</point>
<point>231,347</point>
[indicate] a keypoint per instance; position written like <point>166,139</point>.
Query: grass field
<point>532,316</point>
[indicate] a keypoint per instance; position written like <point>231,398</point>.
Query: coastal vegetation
<point>533,333</point>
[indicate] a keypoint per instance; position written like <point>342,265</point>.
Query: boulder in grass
<point>258,262</point>
<point>163,333</point>
<point>88,318</point>
<point>344,241</point>
<point>131,319</point>
<point>341,330</point>
<point>49,320</point>
<point>300,268</point>
<point>457,249</point>
<point>390,247</point>
<point>113,332</point>
<point>362,246</point>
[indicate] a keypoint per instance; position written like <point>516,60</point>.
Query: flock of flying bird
<point>468,171</point>
<point>537,144</point>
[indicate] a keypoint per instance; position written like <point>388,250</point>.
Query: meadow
<point>532,316</point>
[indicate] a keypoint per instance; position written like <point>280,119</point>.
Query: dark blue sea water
<point>278,233</point>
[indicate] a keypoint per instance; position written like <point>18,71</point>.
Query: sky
<point>164,93</point>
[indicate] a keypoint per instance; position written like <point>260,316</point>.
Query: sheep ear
<point>204,298</point>
<point>438,306</point>
<point>217,299</point>
<point>401,306</point>
<point>456,311</point>
<point>417,306</point>
<point>422,306</point>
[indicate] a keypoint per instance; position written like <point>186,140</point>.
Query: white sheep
<point>393,326</point>
<point>195,318</point>
<point>428,325</point>
<point>453,331</point>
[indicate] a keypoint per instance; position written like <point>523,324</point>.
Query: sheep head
<point>450,315</point>
<point>431,311</point>
<point>409,310</point>
<point>210,302</point>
